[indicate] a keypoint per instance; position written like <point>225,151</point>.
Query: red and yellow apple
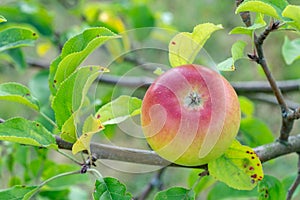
<point>190,115</point>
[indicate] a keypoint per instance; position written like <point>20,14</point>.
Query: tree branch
<point>296,183</point>
<point>258,57</point>
<point>37,63</point>
<point>272,100</point>
<point>241,87</point>
<point>156,182</point>
<point>102,151</point>
<point>264,86</point>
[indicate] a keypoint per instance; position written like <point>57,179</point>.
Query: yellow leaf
<point>239,167</point>
<point>68,130</point>
<point>91,126</point>
<point>258,6</point>
<point>185,46</point>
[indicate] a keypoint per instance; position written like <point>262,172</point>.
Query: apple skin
<point>190,115</point>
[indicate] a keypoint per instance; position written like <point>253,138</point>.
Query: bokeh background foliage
<point>146,28</point>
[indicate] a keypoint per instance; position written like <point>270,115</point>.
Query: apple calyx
<point>193,101</point>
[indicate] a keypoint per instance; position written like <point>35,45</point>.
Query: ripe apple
<point>190,115</point>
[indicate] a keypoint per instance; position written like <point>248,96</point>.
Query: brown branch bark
<point>272,100</point>
<point>259,58</point>
<point>241,87</point>
<point>102,151</point>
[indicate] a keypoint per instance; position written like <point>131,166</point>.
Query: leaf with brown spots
<point>15,92</point>
<point>239,167</point>
<point>91,126</point>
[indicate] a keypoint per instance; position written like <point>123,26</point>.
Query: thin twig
<point>49,180</point>
<point>296,183</point>
<point>155,182</point>
<point>258,56</point>
<point>37,64</point>
<point>260,59</point>
<point>239,86</point>
<point>68,156</point>
<point>271,100</point>
<point>296,114</point>
<point>264,86</point>
<point>126,81</point>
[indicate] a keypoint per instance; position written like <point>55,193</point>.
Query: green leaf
<point>2,19</point>
<point>158,71</point>
<point>39,87</point>
<point>68,130</point>
<point>110,188</point>
<point>270,188</point>
<point>201,185</point>
<point>25,12</point>
<point>14,180</point>
<point>119,110</point>
<point>184,47</point>
<point>226,65</point>
<point>221,191</point>
<point>91,126</point>
<point>141,17</point>
<point>272,8</point>
<point>16,192</point>
<point>292,12</point>
<point>55,194</point>
<point>254,132</point>
<point>74,52</point>
<point>175,193</point>
<point>70,95</point>
<point>16,92</point>
<point>291,50</point>
<point>18,58</point>
<point>237,52</point>
<point>14,37</point>
<point>239,167</point>
<point>28,132</point>
<point>258,23</point>
<point>247,106</point>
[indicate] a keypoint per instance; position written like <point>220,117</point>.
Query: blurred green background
<point>147,27</point>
